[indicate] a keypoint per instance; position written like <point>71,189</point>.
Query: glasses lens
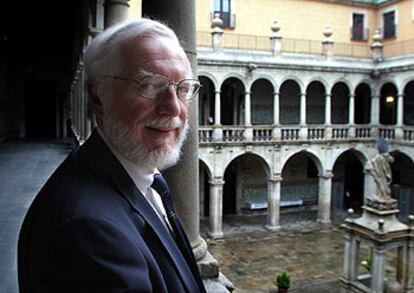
<point>188,88</point>
<point>151,86</point>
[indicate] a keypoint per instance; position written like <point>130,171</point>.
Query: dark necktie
<point>180,237</point>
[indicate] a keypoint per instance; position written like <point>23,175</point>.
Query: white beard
<point>125,142</point>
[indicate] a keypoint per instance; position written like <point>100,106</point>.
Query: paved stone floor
<point>24,167</point>
<point>251,256</point>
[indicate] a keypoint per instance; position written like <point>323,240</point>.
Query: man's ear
<point>95,101</point>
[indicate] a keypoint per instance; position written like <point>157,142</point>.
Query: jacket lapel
<point>102,160</point>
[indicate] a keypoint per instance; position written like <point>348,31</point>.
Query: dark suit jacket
<point>90,230</point>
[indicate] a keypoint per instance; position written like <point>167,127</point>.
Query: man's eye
<point>150,87</point>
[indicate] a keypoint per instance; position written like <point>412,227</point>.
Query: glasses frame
<point>170,82</point>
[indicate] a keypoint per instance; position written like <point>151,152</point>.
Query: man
<point>97,225</point>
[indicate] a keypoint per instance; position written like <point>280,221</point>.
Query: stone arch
<point>342,80</point>
<point>300,184</point>
<point>388,103</point>
<point>206,101</point>
<point>262,102</point>
<point>408,103</point>
<point>289,102</point>
<point>205,177</point>
<point>315,102</point>
<point>347,183</point>
<point>260,76</point>
<point>340,103</point>
<point>231,99</point>
<point>245,183</point>
<point>319,80</point>
<point>402,185</point>
<point>210,76</point>
<point>362,103</point>
<point>295,79</point>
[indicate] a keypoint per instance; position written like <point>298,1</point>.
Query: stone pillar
<point>328,109</point>
<point>247,109</point>
<point>302,109</point>
<point>325,188</point>
<point>216,208</point>
<point>276,113</point>
<point>217,108</point>
<point>183,178</point>
<point>275,39</point>
<point>351,258</point>
<point>248,116</point>
<point>115,11</point>
<point>351,117</point>
<point>377,47</point>
<point>327,43</point>
<point>378,270</point>
<point>217,33</point>
<point>375,115</point>
<point>400,109</point>
<point>409,286</point>
<point>273,203</point>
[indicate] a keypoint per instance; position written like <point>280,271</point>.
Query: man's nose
<point>168,102</point>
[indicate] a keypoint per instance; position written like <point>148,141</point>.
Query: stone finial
<point>275,39</point>
<point>327,43</point>
<point>327,32</point>
<point>217,23</point>
<point>275,28</point>
<point>377,47</point>
<point>350,211</point>
<point>217,33</point>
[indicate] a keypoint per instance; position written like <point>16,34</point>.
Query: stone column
<point>248,116</point>
<point>217,33</point>
<point>399,133</point>
<point>409,286</point>
<point>378,270</point>
<point>276,132</point>
<point>247,109</point>
<point>216,208</point>
<point>328,133</point>
<point>217,128</point>
<point>302,109</point>
<point>183,178</point>
<point>351,117</point>
<point>351,262</point>
<point>276,113</point>
<point>325,188</point>
<point>375,114</point>
<point>303,132</point>
<point>115,11</point>
<point>273,203</point>
<point>377,47</point>
<point>275,39</point>
<point>327,44</point>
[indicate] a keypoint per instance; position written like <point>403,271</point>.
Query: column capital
<point>216,182</point>
<point>217,91</point>
<point>248,92</point>
<point>275,93</point>
<point>276,178</point>
<point>327,174</point>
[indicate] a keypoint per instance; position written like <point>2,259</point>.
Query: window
<point>223,7</point>
<point>358,30</point>
<point>389,25</point>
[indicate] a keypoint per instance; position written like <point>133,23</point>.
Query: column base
<point>272,228</point>
<point>199,248</point>
<point>213,280</point>
<point>216,235</point>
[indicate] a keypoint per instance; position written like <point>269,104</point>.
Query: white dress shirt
<point>143,180</point>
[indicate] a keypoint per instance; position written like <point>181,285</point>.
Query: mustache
<point>164,122</point>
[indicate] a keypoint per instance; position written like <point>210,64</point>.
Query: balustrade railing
<point>290,133</point>
<point>316,133</point>
<point>262,133</point>
<point>340,133</point>
<point>257,134</point>
<point>233,134</point>
<point>387,132</point>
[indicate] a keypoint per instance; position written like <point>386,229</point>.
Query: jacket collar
<point>102,160</point>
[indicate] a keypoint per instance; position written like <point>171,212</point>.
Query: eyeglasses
<point>151,86</point>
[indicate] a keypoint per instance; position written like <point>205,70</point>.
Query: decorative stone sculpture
<point>380,169</point>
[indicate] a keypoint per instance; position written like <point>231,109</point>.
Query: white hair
<point>102,55</point>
